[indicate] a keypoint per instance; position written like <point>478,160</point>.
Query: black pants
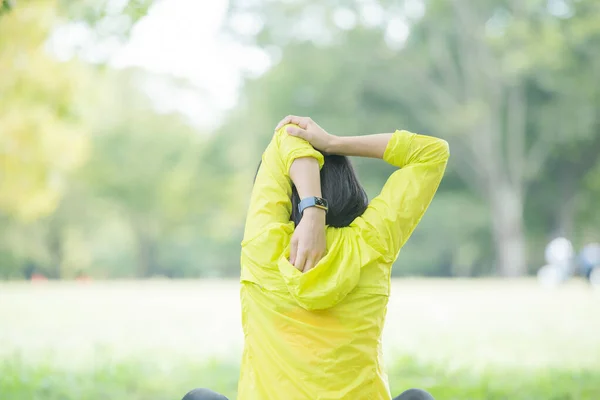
<point>205,394</point>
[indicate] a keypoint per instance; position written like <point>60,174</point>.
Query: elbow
<point>443,149</point>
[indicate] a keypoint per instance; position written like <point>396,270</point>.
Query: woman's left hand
<point>309,244</point>
<point>310,131</point>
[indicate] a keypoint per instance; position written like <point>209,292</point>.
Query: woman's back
<point>317,335</point>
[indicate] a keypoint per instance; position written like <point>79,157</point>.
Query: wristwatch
<point>313,202</point>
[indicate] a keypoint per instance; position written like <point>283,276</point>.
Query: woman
<point>316,262</point>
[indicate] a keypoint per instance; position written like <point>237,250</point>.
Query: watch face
<point>320,202</point>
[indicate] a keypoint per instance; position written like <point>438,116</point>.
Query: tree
<point>498,79</point>
<point>504,97</point>
<point>143,162</point>
<point>44,137</point>
<point>41,136</point>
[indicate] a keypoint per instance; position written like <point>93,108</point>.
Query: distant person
<point>316,262</point>
<point>589,259</point>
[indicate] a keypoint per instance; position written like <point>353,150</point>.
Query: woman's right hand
<point>310,131</point>
<point>309,241</point>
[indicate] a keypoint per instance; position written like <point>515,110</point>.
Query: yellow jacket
<point>317,335</point>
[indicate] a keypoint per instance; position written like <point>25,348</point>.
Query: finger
<point>318,257</point>
<point>293,251</point>
<point>300,259</point>
<point>284,121</point>
<point>309,264</point>
<point>302,122</point>
<point>287,120</point>
<point>295,131</point>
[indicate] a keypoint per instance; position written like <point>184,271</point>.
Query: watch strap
<point>312,201</point>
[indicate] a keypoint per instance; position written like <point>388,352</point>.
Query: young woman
<point>316,262</point>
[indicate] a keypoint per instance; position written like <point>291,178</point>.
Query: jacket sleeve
<point>392,216</point>
<point>270,202</point>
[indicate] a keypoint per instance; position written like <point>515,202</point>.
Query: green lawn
<point>155,340</point>
<point>155,380</point>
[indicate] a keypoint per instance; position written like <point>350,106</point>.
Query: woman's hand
<point>309,244</point>
<point>308,130</point>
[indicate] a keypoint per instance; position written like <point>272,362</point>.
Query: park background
<point>130,132</point>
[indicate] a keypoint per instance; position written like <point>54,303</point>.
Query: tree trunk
<point>55,250</point>
<point>565,214</point>
<point>506,204</point>
<point>146,256</point>
<point>146,245</point>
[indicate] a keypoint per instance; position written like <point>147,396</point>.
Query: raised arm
<point>288,160</point>
<point>308,243</point>
<point>392,216</point>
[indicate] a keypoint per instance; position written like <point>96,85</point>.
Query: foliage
<point>39,150</point>
<point>500,81</point>
<point>95,180</point>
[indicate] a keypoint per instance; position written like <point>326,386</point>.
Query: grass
<point>458,339</point>
<point>139,379</point>
<point>132,380</point>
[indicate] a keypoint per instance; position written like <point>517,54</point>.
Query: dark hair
<point>340,187</point>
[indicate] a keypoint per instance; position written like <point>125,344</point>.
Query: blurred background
<point>130,132</point>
